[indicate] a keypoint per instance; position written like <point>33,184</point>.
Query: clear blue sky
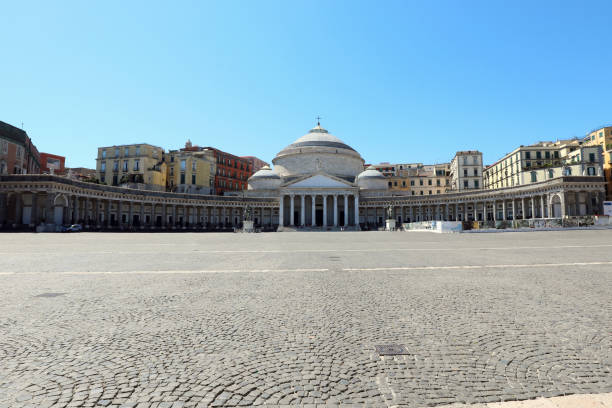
<point>399,81</point>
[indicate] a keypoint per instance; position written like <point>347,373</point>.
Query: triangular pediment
<point>320,181</point>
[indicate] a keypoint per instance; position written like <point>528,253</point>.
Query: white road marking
<point>420,268</point>
<point>190,271</point>
<point>280,251</point>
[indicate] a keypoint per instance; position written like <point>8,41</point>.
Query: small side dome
<point>371,179</point>
<point>264,179</point>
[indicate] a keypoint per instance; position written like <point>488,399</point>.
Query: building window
<point>534,176</point>
<point>103,166</point>
<point>104,154</point>
<point>475,183</point>
<point>125,165</point>
<point>404,183</point>
<point>116,152</point>
<point>556,155</point>
<point>171,171</point>
<point>102,178</point>
<point>465,172</point>
<point>550,174</point>
<point>465,183</point>
<point>475,172</point>
<point>193,165</point>
<point>171,159</point>
<point>137,151</point>
<point>193,179</point>
<point>528,155</point>
<point>183,165</point>
<point>136,165</point>
<point>115,180</point>
<point>390,184</point>
<point>421,192</point>
<point>592,157</point>
<point>475,159</point>
<point>538,155</point>
<point>116,166</point>
<point>547,155</point>
<point>182,178</point>
<point>465,161</point>
<point>412,181</point>
<point>126,152</point>
<point>591,171</point>
<point>429,182</point>
<point>421,182</point>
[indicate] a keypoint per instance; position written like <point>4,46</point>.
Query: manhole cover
<point>50,294</point>
<point>391,350</point>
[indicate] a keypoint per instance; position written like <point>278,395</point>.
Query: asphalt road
<point>183,319</point>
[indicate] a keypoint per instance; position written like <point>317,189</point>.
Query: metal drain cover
<point>51,294</point>
<point>391,350</point>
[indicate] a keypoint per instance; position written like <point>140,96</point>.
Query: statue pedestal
<point>390,226</point>
<point>247,226</point>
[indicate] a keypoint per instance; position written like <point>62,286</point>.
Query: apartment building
<point>18,155</point>
<point>603,137</point>
<point>191,170</point>
<point>466,170</point>
<point>138,166</point>
<point>541,160</point>
<point>231,172</point>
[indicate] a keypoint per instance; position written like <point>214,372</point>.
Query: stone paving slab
<point>199,320</point>
<point>570,401</point>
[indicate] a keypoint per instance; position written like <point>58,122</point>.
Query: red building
<point>232,171</point>
<point>50,161</point>
<point>256,163</point>
<point>18,155</point>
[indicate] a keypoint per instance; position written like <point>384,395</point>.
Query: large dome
<point>316,151</point>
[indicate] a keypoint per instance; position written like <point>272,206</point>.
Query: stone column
<point>119,213</point>
<point>153,216</point>
<point>494,210</point>
<point>141,216</point>
<point>325,210</point>
<point>34,210</point>
<point>346,214</point>
<point>356,198</point>
<point>577,203</point>
<point>503,210</point>
<point>589,203</point>
<point>542,212</point>
<point>107,216</point>
<point>456,212</point>
<point>174,216</point>
<point>533,211</point>
<point>164,216</point>
<point>523,208</point>
<point>411,213</point>
<point>75,211</point>
<point>292,210</point>
<point>49,209</point>
<point>185,216</point>
<point>314,210</point>
<point>335,210</point>
<point>303,210</point>
<point>446,212</point>
<point>281,221</point>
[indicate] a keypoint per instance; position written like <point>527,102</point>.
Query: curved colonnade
<point>34,200</point>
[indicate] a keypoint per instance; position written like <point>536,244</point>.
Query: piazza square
<point>198,320</point>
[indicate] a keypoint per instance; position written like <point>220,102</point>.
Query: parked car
<point>73,228</point>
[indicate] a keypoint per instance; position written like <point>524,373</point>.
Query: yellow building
<point>138,166</point>
<point>543,161</point>
<point>603,137</point>
<point>191,170</point>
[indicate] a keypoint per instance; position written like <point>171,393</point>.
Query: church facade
<point>317,182</point>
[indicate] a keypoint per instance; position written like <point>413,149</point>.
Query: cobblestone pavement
<point>195,320</point>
